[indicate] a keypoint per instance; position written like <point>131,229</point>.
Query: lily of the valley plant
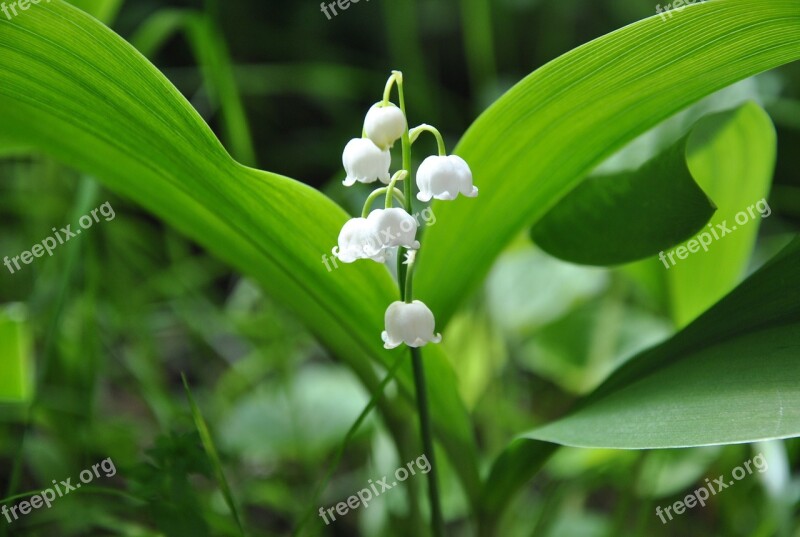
<point>374,234</point>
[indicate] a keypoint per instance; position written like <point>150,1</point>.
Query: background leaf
<point>614,219</point>
<point>732,157</point>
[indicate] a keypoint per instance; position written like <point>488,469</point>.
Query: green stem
<point>407,189</point>
<point>396,78</point>
<point>437,521</point>
<point>416,131</point>
<point>399,176</point>
<point>398,195</point>
<point>409,292</point>
<point>404,277</point>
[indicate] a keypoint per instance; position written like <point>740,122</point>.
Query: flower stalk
<point>416,131</point>
<point>377,232</point>
<point>420,386</point>
<point>396,192</point>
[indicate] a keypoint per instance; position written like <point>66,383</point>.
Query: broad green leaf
<point>16,355</point>
<point>731,376</point>
<point>535,144</point>
<point>649,274</point>
<point>761,89</point>
<point>732,157</point>
<point>622,217</point>
<point>704,386</point>
<point>75,90</point>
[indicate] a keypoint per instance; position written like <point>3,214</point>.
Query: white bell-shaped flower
<point>444,178</point>
<point>365,162</point>
<point>358,240</point>
<point>394,227</point>
<point>412,324</point>
<point>384,125</point>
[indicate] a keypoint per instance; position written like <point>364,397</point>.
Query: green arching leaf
<point>75,90</point>
<point>732,158</point>
<point>631,215</point>
<point>692,404</point>
<point>536,143</point>
<point>618,218</point>
<point>701,387</point>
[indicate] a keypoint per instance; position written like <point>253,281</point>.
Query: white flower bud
<point>358,240</point>
<point>394,227</point>
<point>411,324</point>
<point>365,162</point>
<point>444,178</point>
<point>384,125</point>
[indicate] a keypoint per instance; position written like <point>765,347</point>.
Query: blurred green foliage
<point>112,320</point>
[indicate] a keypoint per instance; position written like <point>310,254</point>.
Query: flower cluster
<point>376,233</point>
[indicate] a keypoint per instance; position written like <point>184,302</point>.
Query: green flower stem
<point>399,176</point>
<point>404,278</point>
<point>416,131</point>
<point>409,296</point>
<point>396,78</point>
<point>398,195</point>
<point>407,190</point>
<point>437,520</point>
